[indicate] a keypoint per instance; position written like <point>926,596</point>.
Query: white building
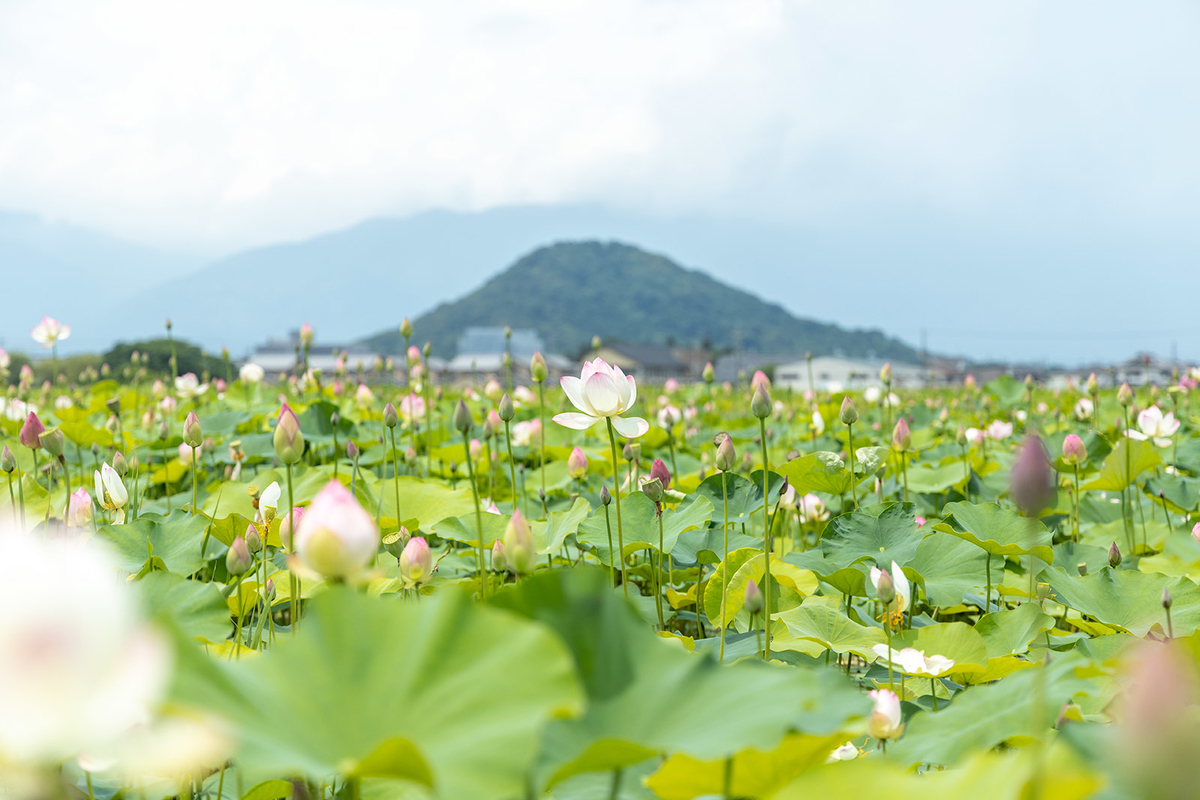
<point>835,374</point>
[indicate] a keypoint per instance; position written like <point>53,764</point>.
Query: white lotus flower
<point>602,392</point>
<point>78,665</point>
<point>847,752</point>
<point>884,721</point>
<point>188,385</point>
<point>975,436</point>
<point>269,499</point>
<point>903,592</point>
<point>818,423</point>
<point>1155,425</point>
<point>251,373</point>
<point>871,395</point>
<point>913,662</point>
<point>1084,408</point>
<point>811,508</point>
<point>110,491</point>
<point>50,332</point>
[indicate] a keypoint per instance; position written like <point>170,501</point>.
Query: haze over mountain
<point>1010,289</point>
<point>571,291</point>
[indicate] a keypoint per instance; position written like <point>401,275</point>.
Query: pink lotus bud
<point>192,435</point>
<point>31,432</point>
<point>760,404</point>
<point>364,397</point>
<point>288,440</point>
<point>884,721</point>
<point>336,537</point>
<point>519,548</point>
<point>493,419</point>
<point>499,561</point>
<point>753,601</point>
<point>1031,484</point>
<point>253,538</point>
<point>577,464</point>
<point>1196,532</point>
<point>475,449</point>
<point>849,413</point>
<point>238,559</point>
<point>659,472</point>
<point>1073,449</point>
<point>1125,395</point>
<point>416,562</point>
<point>885,373</point>
<point>79,510</point>
<point>288,523</point>
<point>413,355</point>
<point>760,379</point>
<point>306,334</point>
<point>901,436</point>
<point>220,384</point>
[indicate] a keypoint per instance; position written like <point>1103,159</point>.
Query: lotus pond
<point>249,586</point>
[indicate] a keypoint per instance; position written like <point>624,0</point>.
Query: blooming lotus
<point>79,666</point>
<point>50,332</point>
<point>416,562</point>
<point>188,385</point>
<point>871,395</point>
<point>336,537</point>
<point>79,510</point>
<point>1084,408</point>
<point>975,436</point>
<point>818,424</point>
<point>364,397</point>
<point>1155,425</point>
<point>812,508</point>
<point>523,396</point>
<point>668,416</point>
<point>526,433</point>
<point>903,593</point>
<point>999,430</point>
<point>914,662</point>
<point>251,373</point>
<point>884,721</point>
<point>847,752</point>
<point>110,491</point>
<point>412,408</point>
<point>268,501</point>
<point>492,390</point>
<point>602,392</point>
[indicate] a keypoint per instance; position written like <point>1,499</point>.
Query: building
<point>481,356</point>
<point>283,355</point>
<point>835,374</point>
<point>650,363</point>
<point>734,367</point>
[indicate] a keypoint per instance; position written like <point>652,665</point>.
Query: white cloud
<point>215,125</point>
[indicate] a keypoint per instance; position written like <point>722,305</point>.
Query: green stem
<point>768,545</point>
<point>904,472</point>
<point>396,476</point>
<point>1077,499</point>
<point>293,582</point>
<point>850,447</point>
<point>662,626</point>
<point>512,467</point>
<point>987,598</point>
<point>614,790</point>
<point>612,442</point>
<point>887,625</point>
<point>724,558</point>
<point>194,487</point>
<point>612,555</point>
<point>933,691</point>
<point>478,513</point>
<point>542,441</point>
<point>20,489</point>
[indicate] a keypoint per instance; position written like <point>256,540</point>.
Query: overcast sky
<point>208,127</point>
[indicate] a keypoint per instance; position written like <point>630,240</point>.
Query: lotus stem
<point>768,545</point>
<point>724,560</point>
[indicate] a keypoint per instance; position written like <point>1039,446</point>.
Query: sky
<point>1062,134</point>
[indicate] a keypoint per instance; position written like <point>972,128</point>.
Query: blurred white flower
<point>188,385</point>
<point>847,752</point>
<point>1155,425</point>
<point>1084,409</point>
<point>914,662</point>
<point>251,373</point>
<point>49,332</point>
<point>999,430</point>
<point>78,665</point>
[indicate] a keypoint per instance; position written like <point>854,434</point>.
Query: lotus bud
<point>288,440</point>
<point>961,436</point>
<point>406,328</point>
<point>410,454</point>
<point>901,436</point>
<point>519,548</point>
<point>1195,528</point>
<point>606,499</point>
<point>596,342</point>
<point>708,374</point>
<point>463,421</point>
<point>390,418</point>
<point>288,524</point>
<point>119,464</point>
<point>885,588</point>
<point>475,449</point>
<point>164,430</point>
<point>1029,383</point>
<point>1074,450</point>
<point>499,561</point>
<point>884,722</point>
<point>8,462</point>
<point>31,431</point>
<point>537,368</point>
<point>253,538</point>
<point>1032,484</point>
<point>849,413</point>
<point>506,410</point>
<point>337,538</point>
<point>53,441</point>
<point>79,509</point>
<point>238,559</point>
<point>885,374</point>
<point>577,464</point>
<point>760,404</point>
<point>1042,592</point>
<point>659,471</point>
<point>192,435</point>
<point>1114,556</point>
<point>269,592</point>
<point>1092,385</point>
<point>753,602</point>
<point>726,455</point>
<point>416,562</point>
<point>427,350</point>
<point>1125,395</point>
<point>1167,601</point>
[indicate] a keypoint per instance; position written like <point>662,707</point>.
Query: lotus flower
<point>268,501</point>
<point>602,392</point>
<point>50,332</point>
<point>79,510</point>
<point>1031,481</point>
<point>903,593</point>
<point>1074,450</point>
<point>336,537</point>
<point>364,397</point>
<point>914,662</point>
<point>818,424</point>
<point>412,408</point>
<point>577,464</point>
<point>847,752</point>
<point>527,433</point>
<point>812,508</point>
<point>871,395</point>
<point>251,373</point>
<point>975,436</point>
<point>1084,408</point>
<point>110,491</point>
<point>188,385</point>
<point>999,430</point>
<point>884,721</point>
<point>416,562</point>
<point>80,665</point>
<point>1155,425</point>
<point>668,416</point>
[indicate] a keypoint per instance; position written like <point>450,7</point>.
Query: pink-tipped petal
<point>630,427</point>
<point>578,422</point>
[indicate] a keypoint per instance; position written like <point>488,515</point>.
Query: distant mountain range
<point>572,291</point>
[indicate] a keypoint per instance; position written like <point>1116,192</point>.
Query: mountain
<point>81,277</point>
<point>572,291</point>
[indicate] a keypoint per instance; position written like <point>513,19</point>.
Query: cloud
<point>218,125</point>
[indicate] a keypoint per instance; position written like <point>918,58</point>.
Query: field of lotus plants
<point>355,585</point>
